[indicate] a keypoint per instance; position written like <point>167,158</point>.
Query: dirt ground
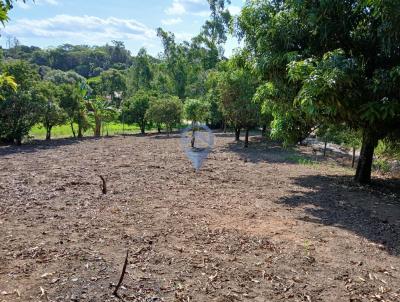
<point>251,226</point>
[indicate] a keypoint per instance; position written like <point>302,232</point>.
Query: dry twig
<point>121,279</point>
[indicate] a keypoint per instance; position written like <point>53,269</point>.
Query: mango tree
<point>339,61</point>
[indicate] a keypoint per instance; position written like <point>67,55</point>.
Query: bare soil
<point>252,225</point>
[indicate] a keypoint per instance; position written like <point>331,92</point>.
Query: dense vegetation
<point>330,68</point>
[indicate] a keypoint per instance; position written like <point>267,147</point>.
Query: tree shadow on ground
<point>372,212</point>
<point>173,135</point>
<point>260,150</point>
<point>39,145</point>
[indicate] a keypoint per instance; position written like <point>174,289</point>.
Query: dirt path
<point>251,226</point>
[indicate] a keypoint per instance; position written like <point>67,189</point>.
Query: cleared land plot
<point>251,226</point>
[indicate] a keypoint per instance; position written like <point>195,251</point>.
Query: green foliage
<point>100,111</point>
<point>140,75</point>
<point>237,86</point>
<point>381,165</point>
<point>60,77</point>
<point>166,110</point>
<point>339,67</point>
<point>113,85</point>
<point>301,160</point>
<point>72,101</point>
<point>5,6</point>
<point>51,114</point>
<point>134,109</point>
<point>7,83</point>
<point>20,109</point>
<point>85,60</point>
<point>196,110</point>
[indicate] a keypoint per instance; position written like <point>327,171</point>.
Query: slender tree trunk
<point>159,129</point>
<point>143,128</point>
<point>264,130</point>
<point>97,129</point>
<point>80,134</point>
<point>72,129</point>
<point>237,134</point>
<point>326,144</point>
<point>168,130</point>
<point>364,167</point>
<point>193,140</point>
<point>18,141</point>
<point>353,160</point>
<point>246,140</point>
<point>48,132</point>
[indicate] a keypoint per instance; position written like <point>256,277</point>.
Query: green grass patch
<point>64,131</point>
<point>301,160</point>
<point>381,165</point>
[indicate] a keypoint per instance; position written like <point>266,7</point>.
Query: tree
<point>19,110</point>
<point>61,77</point>
<point>5,7</point>
<point>237,86</point>
<point>214,31</point>
<point>135,109</point>
<point>72,101</point>
<point>101,110</point>
<point>343,66</point>
<point>51,114</point>
<point>140,74</point>
<point>167,110</point>
<point>113,85</point>
<point>196,111</point>
<point>7,83</point>
<point>176,61</point>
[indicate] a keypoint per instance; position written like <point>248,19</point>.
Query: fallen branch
<point>104,184</point>
<point>121,279</point>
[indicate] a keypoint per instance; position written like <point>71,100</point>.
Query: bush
<point>166,111</point>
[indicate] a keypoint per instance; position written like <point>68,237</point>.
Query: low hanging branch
<point>104,190</point>
<point>121,279</point>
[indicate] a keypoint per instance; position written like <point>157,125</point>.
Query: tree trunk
<point>326,144</point>
<point>143,128</point>
<point>193,140</point>
<point>246,140</point>
<point>73,130</point>
<point>97,129</point>
<point>80,135</point>
<point>18,141</point>
<point>48,132</point>
<point>237,134</point>
<point>353,160</point>
<point>364,167</point>
<point>264,130</point>
<point>159,129</point>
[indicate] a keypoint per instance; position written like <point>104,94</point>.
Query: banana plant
<point>101,111</point>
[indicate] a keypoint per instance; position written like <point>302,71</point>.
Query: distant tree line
<point>329,68</point>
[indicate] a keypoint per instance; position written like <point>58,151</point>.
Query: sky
<point>49,23</point>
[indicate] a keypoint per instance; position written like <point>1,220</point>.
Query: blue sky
<point>49,23</point>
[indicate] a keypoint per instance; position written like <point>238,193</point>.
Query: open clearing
<point>251,226</point>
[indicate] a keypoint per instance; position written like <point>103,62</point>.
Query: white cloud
<point>171,21</point>
<point>81,28</point>
<point>234,10</point>
<point>194,7</point>
<point>176,9</point>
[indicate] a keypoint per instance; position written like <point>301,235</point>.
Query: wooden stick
<point>121,279</point>
<point>104,185</point>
